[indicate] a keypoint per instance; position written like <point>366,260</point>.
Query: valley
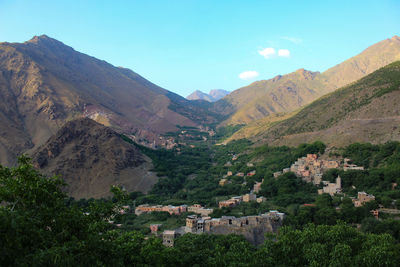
<point>97,158</point>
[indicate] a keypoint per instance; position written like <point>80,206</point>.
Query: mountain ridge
<point>45,83</point>
<point>91,158</point>
<point>287,93</point>
<point>212,96</point>
<point>364,111</point>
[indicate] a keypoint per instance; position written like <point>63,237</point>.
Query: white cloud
<point>247,75</point>
<point>283,53</point>
<point>292,39</point>
<point>267,52</point>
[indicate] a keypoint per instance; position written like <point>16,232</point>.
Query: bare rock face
<point>45,83</point>
<point>91,158</point>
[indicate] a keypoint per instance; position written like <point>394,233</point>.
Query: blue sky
<point>201,45</point>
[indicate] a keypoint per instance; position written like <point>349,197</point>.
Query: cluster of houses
<point>252,228</point>
<point>310,168</point>
<point>173,210</point>
<point>234,201</point>
<point>225,181</point>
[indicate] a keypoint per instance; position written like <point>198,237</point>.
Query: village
<point>173,210</point>
<point>253,228</point>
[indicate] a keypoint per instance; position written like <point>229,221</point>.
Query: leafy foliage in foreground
<point>38,227</point>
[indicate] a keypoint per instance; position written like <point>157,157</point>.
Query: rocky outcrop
<point>91,157</point>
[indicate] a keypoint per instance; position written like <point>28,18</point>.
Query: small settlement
<point>252,228</point>
<point>311,169</point>
<point>173,210</point>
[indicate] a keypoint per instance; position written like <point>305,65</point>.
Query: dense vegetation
<point>39,226</point>
<point>191,174</point>
<point>288,193</point>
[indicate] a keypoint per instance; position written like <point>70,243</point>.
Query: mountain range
<point>212,96</point>
<point>44,83</point>
<point>364,111</point>
<point>68,111</point>
<point>287,93</point>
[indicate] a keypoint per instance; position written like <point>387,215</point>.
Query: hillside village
<point>309,168</point>
<point>173,210</point>
<point>252,228</point>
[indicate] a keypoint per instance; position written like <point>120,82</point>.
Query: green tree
<point>37,227</point>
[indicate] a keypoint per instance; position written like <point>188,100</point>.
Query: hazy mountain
<point>44,83</point>
<point>199,95</point>
<point>289,92</point>
<point>91,157</point>
<point>365,111</point>
<point>212,96</point>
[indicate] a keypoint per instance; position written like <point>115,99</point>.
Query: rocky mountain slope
<point>212,96</point>
<point>91,157</point>
<point>365,111</point>
<point>288,93</point>
<point>44,83</point>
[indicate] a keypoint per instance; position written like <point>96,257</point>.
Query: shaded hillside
<point>44,83</point>
<point>289,92</point>
<point>91,157</point>
<point>365,111</point>
<point>212,96</point>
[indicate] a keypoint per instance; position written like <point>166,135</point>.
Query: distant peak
<point>396,38</point>
<point>37,39</point>
<point>306,74</point>
<point>45,42</point>
<point>301,70</point>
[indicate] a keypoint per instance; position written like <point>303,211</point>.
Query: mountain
<point>199,95</point>
<point>91,157</point>
<point>290,92</point>
<point>44,83</point>
<point>217,94</point>
<point>364,111</point>
<point>212,96</point>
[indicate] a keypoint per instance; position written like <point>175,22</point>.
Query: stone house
<point>197,208</point>
<point>249,197</point>
<point>232,202</point>
<point>169,237</point>
<point>154,228</point>
<point>257,186</point>
<point>331,188</point>
<point>362,198</point>
<point>223,182</point>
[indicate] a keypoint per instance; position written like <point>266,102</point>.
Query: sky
<point>188,45</point>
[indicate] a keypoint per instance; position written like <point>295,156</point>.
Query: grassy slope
<point>363,105</point>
